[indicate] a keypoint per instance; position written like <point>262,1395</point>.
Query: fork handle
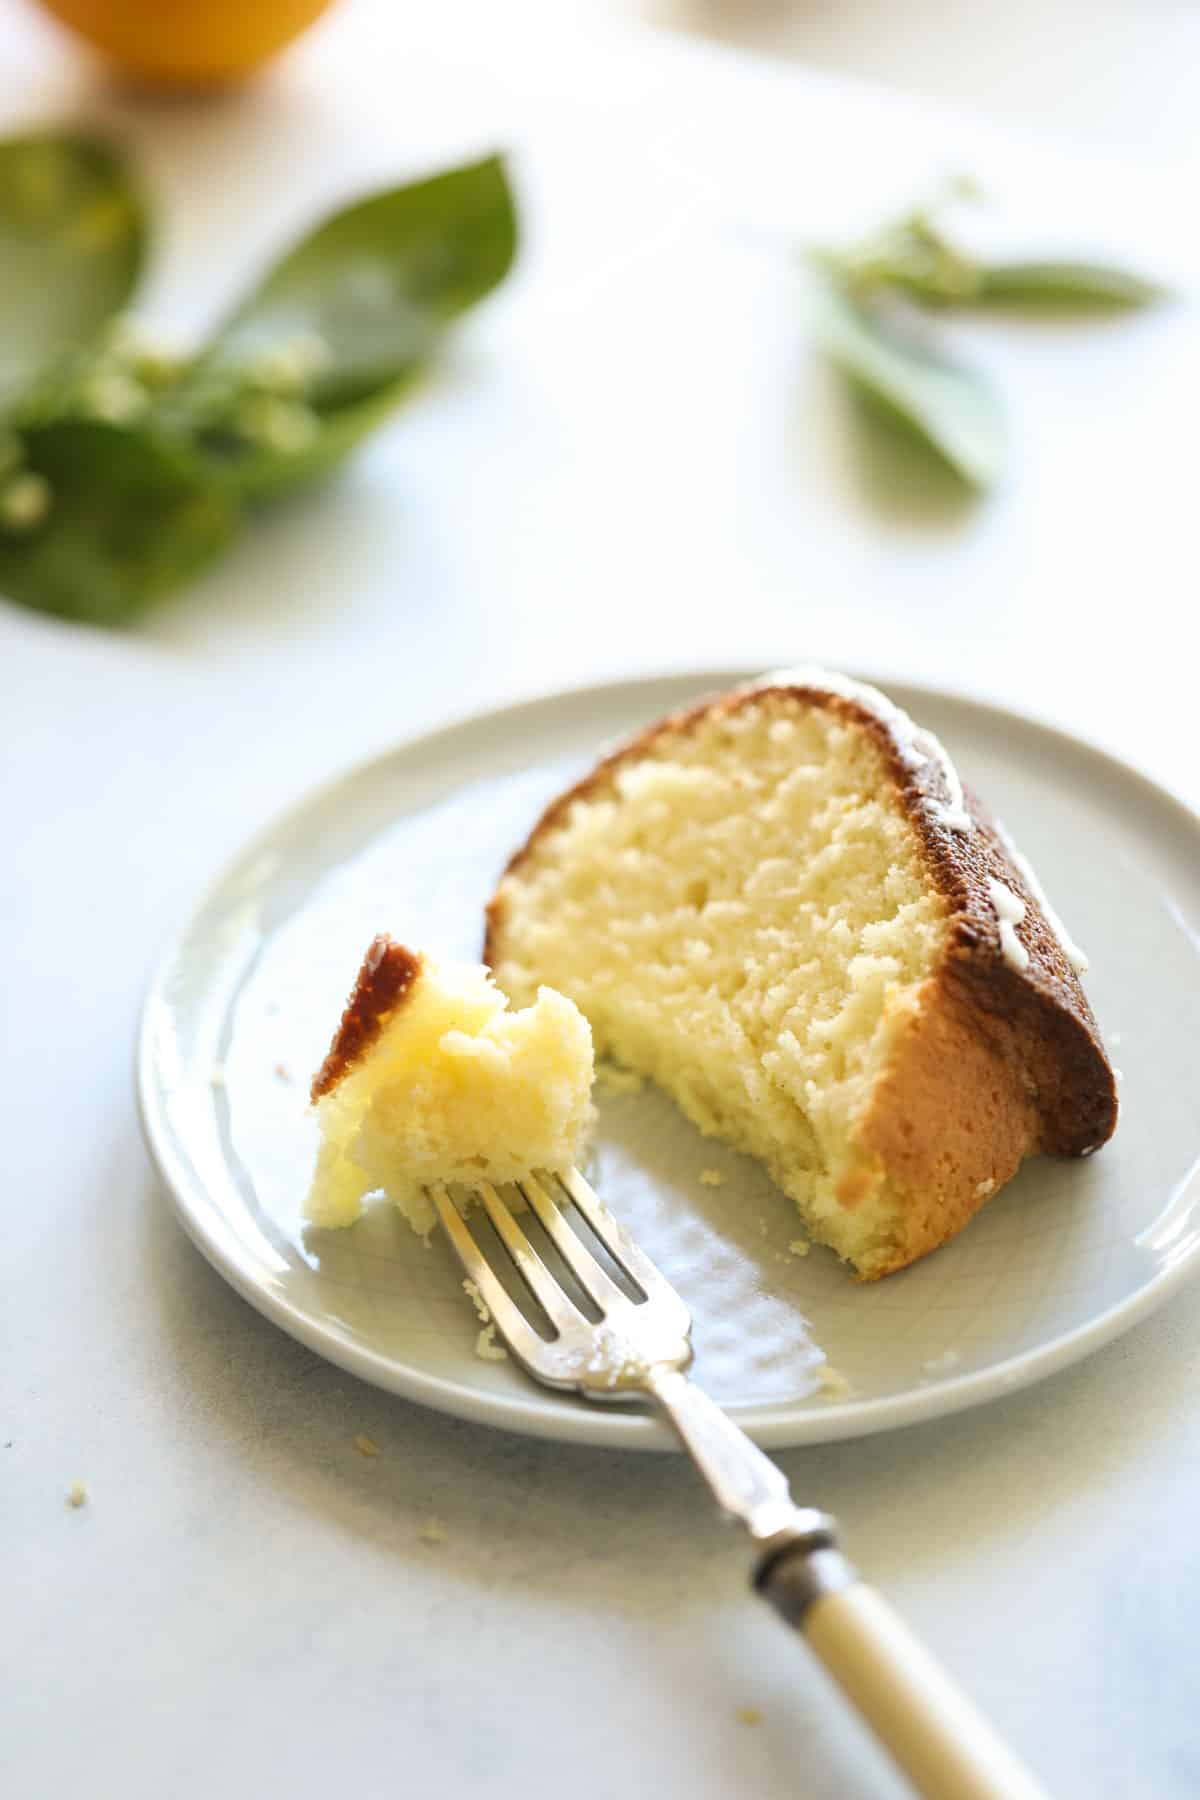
<point>942,1742</point>
<point>933,1731</point>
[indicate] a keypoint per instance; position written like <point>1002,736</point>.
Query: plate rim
<point>772,1424</point>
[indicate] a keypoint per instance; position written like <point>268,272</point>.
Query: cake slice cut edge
<point>783,908</point>
<point>432,1078</point>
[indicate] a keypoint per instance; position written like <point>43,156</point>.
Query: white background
<point>1116,73</point>
<point>628,461</point>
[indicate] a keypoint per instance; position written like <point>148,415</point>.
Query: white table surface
<point>626,462</point>
<point>1121,74</point>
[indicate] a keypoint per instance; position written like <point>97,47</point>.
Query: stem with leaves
<point>121,472</point>
<point>871,309</point>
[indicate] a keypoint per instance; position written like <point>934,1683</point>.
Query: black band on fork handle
<point>793,1577</point>
<point>935,1734</point>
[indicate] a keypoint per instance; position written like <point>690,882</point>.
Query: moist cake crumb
<point>486,1347</point>
<point>432,1080</point>
<point>834,1385</point>
<point>477,1301</point>
<point>780,907</point>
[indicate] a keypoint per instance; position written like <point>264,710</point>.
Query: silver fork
<point>639,1348</point>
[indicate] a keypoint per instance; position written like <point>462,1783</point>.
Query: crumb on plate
<point>432,1531</point>
<point>478,1302</point>
<point>486,1347</point>
<point>366,1446</point>
<point>712,1178</point>
<point>748,1715</point>
<point>833,1383</point>
<point>77,1494</point>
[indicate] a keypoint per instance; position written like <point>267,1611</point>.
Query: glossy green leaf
<point>97,520</point>
<point>360,301</point>
<point>337,332</point>
<point>72,238</point>
<point>950,407</point>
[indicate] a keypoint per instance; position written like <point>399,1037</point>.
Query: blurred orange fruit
<point>187,43</point>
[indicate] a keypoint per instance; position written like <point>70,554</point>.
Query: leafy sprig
<point>875,303</point>
<point>122,472</point>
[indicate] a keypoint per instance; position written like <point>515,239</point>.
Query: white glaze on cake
<point>1077,958</point>
<point>915,744</point>
<point>1010,910</point>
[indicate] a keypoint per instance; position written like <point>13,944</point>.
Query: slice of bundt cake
<point>431,1078</point>
<point>782,907</point>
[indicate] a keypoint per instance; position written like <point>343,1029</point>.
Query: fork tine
<point>621,1246</point>
<point>593,1279</point>
<point>558,1307</point>
<point>511,1322</point>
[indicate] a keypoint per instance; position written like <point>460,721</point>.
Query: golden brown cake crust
<point>387,973</point>
<point>1023,1044</point>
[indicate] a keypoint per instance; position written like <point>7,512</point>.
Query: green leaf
<point>256,444</point>
<point>341,327</point>
<point>916,255</point>
<point>121,473</point>
<point>72,239</point>
<point>1066,284</point>
<point>97,520</point>
<point>950,407</point>
<point>368,292</point>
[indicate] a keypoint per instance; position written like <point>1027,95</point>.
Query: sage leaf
<point>72,241</point>
<point>949,406</point>
<point>97,520</point>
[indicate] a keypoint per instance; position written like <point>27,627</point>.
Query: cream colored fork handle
<point>942,1742</point>
<point>944,1745</point>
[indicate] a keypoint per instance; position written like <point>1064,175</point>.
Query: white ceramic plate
<point>1070,1254</point>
